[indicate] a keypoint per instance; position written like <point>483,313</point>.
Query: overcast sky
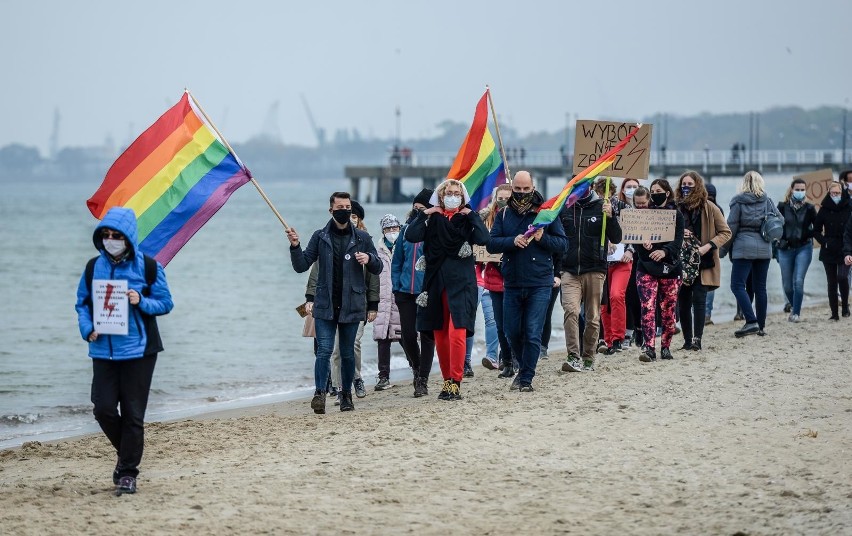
<point>112,68</point>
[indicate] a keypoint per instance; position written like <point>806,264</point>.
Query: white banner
<point>110,308</point>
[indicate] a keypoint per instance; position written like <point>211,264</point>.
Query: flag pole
<point>606,198</point>
<point>231,150</point>
<point>499,137</point>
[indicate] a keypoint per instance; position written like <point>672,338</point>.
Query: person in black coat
<point>447,305</point>
<point>795,249</point>
<point>829,228</point>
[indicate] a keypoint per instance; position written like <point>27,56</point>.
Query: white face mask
<point>392,236</point>
<point>628,192</point>
<point>452,201</point>
<point>114,247</point>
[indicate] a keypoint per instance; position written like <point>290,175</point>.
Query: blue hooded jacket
<point>404,276</point>
<point>132,269</point>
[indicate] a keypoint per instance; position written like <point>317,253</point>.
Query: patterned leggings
<point>648,287</point>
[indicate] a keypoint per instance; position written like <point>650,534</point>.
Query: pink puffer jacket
<point>387,325</point>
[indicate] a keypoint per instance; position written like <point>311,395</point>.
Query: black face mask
<point>522,197</point>
<point>341,215</point>
<point>658,199</point>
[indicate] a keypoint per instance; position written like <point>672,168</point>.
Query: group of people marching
<point>423,285</point>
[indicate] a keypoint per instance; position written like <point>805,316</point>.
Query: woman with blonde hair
<point>706,227</point>
<point>750,253</point>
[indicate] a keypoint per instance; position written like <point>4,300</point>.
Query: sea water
<point>233,338</point>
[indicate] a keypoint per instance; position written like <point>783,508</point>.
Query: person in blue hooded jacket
<point>123,365</point>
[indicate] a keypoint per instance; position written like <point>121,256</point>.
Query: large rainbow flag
<point>478,164</point>
<point>175,176</point>
<point>578,186</point>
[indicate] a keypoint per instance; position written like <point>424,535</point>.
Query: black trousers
<point>692,298</point>
<point>837,277</point>
<point>384,353</point>
<point>420,356</point>
<point>123,384</point>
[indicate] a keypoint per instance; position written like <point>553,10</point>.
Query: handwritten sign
<point>110,311</point>
<point>817,183</point>
<point>594,138</point>
<point>482,255</point>
<point>647,225</point>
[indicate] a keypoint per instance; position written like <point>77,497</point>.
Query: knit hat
<point>711,189</point>
<point>357,209</point>
<point>423,197</point>
<point>389,220</point>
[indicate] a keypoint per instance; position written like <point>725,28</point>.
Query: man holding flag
<point>527,270</point>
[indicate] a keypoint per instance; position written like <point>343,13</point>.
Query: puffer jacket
<point>387,324</point>
<point>132,269</point>
<point>829,226</point>
<point>492,277</point>
<point>404,276</point>
<point>744,219</point>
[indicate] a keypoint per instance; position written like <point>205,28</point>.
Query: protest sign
<point>594,138</point>
<point>482,255</point>
<point>110,310</point>
<point>647,225</point>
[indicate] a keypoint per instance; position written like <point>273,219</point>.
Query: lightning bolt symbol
<point>107,305</point>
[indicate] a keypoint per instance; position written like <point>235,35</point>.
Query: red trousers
<point>614,315</point>
<point>451,345</point>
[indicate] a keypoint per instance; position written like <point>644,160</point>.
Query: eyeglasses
<point>112,234</point>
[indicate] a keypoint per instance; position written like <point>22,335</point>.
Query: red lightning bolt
<point>107,305</point>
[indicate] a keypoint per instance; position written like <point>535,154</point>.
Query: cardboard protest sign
<point>647,225</point>
<point>817,184</point>
<point>482,255</point>
<point>594,138</point>
<point>110,309</point>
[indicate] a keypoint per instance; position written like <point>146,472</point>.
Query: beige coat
<point>714,229</point>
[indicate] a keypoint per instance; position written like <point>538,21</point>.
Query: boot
<point>424,386</point>
<point>418,392</point>
<point>508,371</point>
<point>318,402</point>
<point>346,401</point>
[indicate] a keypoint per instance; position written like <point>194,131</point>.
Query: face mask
<point>522,197</point>
<point>799,195</point>
<point>341,215</point>
<point>452,201</point>
<point>391,237</point>
<point>849,186</point>
<point>628,192</point>
<point>836,199</point>
<point>501,203</point>
<point>684,190</point>
<point>115,247</point>
<point>658,199</point>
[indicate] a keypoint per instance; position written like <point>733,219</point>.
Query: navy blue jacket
<point>404,277</point>
<point>531,266</point>
<point>354,299</point>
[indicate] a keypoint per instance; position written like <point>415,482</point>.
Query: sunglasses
<point>112,234</point>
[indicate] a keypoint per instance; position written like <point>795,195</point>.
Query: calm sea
<point>233,337</point>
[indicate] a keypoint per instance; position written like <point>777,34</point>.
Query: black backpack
<point>154,343</point>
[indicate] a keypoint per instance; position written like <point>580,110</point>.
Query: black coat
<point>829,226</point>
<point>670,266</point>
<point>583,224</point>
<point>454,274</point>
<point>798,225</point>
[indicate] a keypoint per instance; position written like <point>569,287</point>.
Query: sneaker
<point>647,355</point>
<point>508,371</point>
<point>665,353</point>
<point>588,365</point>
<point>445,390</point>
<point>337,399</point>
<point>382,384</point>
<point>318,402</point>
<point>686,346</point>
<point>628,342</point>
<point>489,363</point>
<point>708,321</point>
<point>126,484</point>
<point>115,477</point>
<point>787,307</point>
<point>543,353</point>
<point>738,316</point>
<point>455,390</point>
<point>617,346</point>
<point>468,371</point>
<point>611,350</point>
<point>526,388</point>
<point>602,347</point>
<point>346,401</point>
<point>748,329</point>
<point>793,318</point>
<point>696,344</point>
<point>761,333</point>
<point>332,392</point>
<point>572,364</point>
<point>516,384</point>
<point>360,391</point>
<point>834,317</point>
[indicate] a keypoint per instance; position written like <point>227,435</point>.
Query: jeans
<point>491,342</point>
<point>794,265</point>
<point>335,357</point>
<point>708,307</point>
<point>740,271</point>
<point>325,334</point>
<point>126,383</point>
<point>524,309</point>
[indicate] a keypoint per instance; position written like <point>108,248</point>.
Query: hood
<point>588,201</point>
<point>747,198</point>
<point>120,219</point>
<point>537,199</point>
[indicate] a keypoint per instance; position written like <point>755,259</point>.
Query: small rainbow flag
<point>577,187</point>
<point>478,164</point>
<point>175,176</point>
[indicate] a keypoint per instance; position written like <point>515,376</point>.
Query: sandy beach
<point>748,436</point>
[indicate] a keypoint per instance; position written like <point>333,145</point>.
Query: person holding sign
<point>829,228</point>
<point>795,249</point>
<point>658,274</point>
<point>123,356</point>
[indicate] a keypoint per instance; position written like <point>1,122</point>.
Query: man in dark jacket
<point>527,273</point>
<point>583,272</point>
<point>340,303</point>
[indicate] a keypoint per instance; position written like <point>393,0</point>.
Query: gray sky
<point>114,67</point>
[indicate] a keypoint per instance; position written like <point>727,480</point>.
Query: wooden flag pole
<point>499,137</point>
<point>231,150</point>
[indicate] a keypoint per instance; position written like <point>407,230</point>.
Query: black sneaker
<point>748,329</point>
<point>382,384</point>
<point>648,354</point>
<point>516,384</point>
<point>360,391</point>
<point>686,346</point>
<point>126,484</point>
<point>617,346</point>
<point>318,402</point>
<point>455,390</point>
<point>445,390</point>
<point>468,371</point>
<point>611,350</point>
<point>526,388</point>
<point>665,353</point>
<point>346,401</point>
<point>508,371</point>
<point>696,343</point>
<point>602,347</point>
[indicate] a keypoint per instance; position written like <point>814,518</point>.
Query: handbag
<point>772,227</point>
<point>690,260</point>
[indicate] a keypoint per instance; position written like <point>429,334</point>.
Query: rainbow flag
<point>577,187</point>
<point>478,164</point>
<point>175,176</point>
